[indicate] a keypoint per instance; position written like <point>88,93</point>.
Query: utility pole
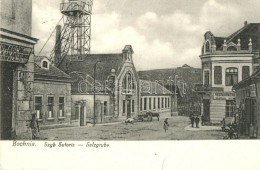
<point>94,107</point>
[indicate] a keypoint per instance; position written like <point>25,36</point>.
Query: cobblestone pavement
<point>137,131</point>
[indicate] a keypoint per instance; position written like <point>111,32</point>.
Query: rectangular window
<point>159,102</point>
<point>50,107</point>
<point>150,103</point>
<point>217,75</point>
<point>61,106</point>
<point>105,108</point>
<point>169,102</point>
<point>245,72</point>
<point>206,77</point>
<point>231,76</point>
<point>123,106</point>
<point>154,103</point>
<point>145,103</point>
<point>141,104</point>
<point>38,107</point>
<point>230,108</point>
<point>133,106</point>
<point>162,103</point>
<point>165,103</point>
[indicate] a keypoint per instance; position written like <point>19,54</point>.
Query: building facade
<point>17,67</point>
<point>114,78</point>
<point>51,94</point>
<point>248,103</point>
<point>225,62</point>
<point>156,98</point>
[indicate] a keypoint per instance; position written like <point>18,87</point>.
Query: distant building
<point>157,98</point>
<point>17,67</point>
<point>248,102</point>
<point>225,62</point>
<point>51,94</point>
<point>181,81</point>
<point>116,84</point>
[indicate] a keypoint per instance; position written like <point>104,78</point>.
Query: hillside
<point>185,73</point>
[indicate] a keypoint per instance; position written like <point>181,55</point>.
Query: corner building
<point>225,62</point>
<point>16,67</point>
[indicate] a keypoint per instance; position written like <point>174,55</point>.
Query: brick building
<point>17,67</point>
<point>225,62</point>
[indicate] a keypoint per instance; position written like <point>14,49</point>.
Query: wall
<point>56,90</point>
<point>16,16</point>
<point>89,98</point>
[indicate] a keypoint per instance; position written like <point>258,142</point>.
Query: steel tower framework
<point>74,38</point>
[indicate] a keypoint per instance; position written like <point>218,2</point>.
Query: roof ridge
<point>237,32</point>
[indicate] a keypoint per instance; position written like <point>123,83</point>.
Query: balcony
<point>202,88</point>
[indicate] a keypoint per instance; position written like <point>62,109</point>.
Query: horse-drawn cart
<point>148,116</point>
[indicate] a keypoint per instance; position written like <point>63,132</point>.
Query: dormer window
<point>45,64</point>
<point>231,48</point>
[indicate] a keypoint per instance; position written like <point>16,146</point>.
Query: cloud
<point>219,17</point>
<point>160,40</point>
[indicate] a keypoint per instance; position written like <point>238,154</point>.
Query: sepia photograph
<point>86,73</point>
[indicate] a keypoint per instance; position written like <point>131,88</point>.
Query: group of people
<point>194,119</point>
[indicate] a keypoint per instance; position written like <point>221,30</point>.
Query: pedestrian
<point>34,125</point>
<point>197,120</point>
<point>165,124</point>
<point>202,119</point>
<point>192,121</point>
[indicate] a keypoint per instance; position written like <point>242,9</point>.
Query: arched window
<point>231,76</point>
<point>207,47</point>
<point>128,83</point>
<point>45,64</point>
<point>231,48</point>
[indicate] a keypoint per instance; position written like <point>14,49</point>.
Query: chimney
<point>58,42</point>
<point>245,23</point>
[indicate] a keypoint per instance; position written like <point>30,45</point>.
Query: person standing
<point>34,125</point>
<point>165,124</point>
<point>202,119</point>
<point>192,120</point>
<point>197,121</point>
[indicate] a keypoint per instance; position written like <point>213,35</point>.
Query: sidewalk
<point>202,128</point>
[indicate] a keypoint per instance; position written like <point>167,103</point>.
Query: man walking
<point>165,125</point>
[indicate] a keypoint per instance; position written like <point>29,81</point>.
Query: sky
<point>163,33</point>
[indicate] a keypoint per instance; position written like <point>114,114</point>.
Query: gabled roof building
<point>114,78</point>
<point>225,62</point>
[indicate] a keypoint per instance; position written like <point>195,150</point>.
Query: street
<point>137,131</point>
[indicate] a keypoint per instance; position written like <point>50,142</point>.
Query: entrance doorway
<point>6,99</point>
<point>128,108</point>
<point>206,110</point>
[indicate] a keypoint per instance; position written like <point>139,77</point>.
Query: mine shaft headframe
<point>72,7</point>
<point>74,38</point>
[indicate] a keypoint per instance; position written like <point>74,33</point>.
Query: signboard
<point>252,90</point>
<point>14,53</point>
<point>224,95</point>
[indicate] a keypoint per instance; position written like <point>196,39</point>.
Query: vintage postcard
<point>129,84</point>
